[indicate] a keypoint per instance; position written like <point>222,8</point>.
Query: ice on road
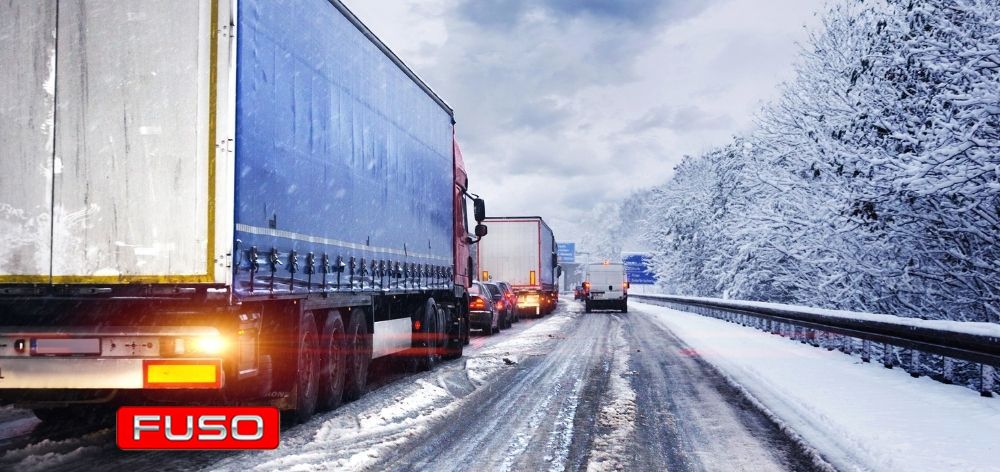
<point>573,391</point>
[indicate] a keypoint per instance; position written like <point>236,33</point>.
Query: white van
<point>605,287</point>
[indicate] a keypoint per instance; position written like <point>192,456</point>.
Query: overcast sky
<point>563,104</point>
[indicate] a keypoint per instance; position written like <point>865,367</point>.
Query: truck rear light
<point>532,278</point>
<point>477,303</point>
<point>181,374</point>
<point>199,345</point>
<point>210,345</point>
<point>485,276</point>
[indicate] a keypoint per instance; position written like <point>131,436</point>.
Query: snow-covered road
<point>572,391</point>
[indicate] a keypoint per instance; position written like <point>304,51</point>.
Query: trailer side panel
<point>339,152</point>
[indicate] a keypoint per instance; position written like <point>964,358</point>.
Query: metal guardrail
<point>945,355</point>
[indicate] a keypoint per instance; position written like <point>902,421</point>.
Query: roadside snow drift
<point>857,416</point>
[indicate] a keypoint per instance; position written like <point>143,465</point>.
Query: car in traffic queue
<point>503,307</point>
<point>511,298</point>
<point>483,313</point>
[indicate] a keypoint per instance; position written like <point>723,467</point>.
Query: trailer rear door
<point>107,141</point>
<point>511,253</point>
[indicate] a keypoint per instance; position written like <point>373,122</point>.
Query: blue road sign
<point>567,252</point>
<point>637,269</point>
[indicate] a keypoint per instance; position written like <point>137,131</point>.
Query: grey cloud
<point>689,118</point>
<point>507,13</point>
<point>545,113</point>
<point>539,88</point>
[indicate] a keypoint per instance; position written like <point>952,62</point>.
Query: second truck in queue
<point>522,252</point>
<point>205,206</point>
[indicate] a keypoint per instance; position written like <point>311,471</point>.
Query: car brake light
<point>477,303</point>
<point>500,305</point>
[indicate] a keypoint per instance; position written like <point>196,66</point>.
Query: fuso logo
<point>158,427</point>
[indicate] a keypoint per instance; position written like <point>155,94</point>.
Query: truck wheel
<point>307,375</point>
<point>359,355</point>
<point>586,307</point>
<point>456,335</point>
<point>466,330</point>
<point>332,362</point>
<point>429,344</point>
<point>624,307</point>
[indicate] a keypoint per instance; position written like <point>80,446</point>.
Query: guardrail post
<point>828,341</point>
<point>887,360</point>
<point>915,363</point>
<point>986,380</point>
<point>866,350</point>
<point>948,370</point>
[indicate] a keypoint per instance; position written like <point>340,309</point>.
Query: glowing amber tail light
<point>476,303</point>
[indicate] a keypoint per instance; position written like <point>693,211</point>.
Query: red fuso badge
<point>175,427</point>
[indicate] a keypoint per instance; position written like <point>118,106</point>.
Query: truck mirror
<point>481,230</point>
<point>480,210</point>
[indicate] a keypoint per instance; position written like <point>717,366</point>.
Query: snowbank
<point>966,327</point>
<point>858,417</point>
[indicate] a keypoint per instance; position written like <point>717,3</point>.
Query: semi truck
<point>220,201</point>
<point>522,252</point>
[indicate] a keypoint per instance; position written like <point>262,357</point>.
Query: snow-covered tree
<point>870,184</point>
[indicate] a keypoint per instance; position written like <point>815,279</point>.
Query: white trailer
<point>522,252</point>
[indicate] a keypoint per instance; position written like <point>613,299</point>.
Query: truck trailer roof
<point>392,56</point>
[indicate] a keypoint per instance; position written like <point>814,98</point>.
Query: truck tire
<point>586,307</point>
<point>466,330</point>
<point>625,306</point>
<point>456,339</point>
<point>359,355</point>
<point>333,363</point>
<point>429,344</point>
<point>307,370</point>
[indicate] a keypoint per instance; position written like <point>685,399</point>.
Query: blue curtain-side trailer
<point>220,201</point>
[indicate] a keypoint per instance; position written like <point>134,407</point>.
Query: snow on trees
<point>871,184</point>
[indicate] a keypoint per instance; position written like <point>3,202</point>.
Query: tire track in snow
<point>617,415</point>
<point>520,423</point>
<point>690,417</point>
<point>373,432</point>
